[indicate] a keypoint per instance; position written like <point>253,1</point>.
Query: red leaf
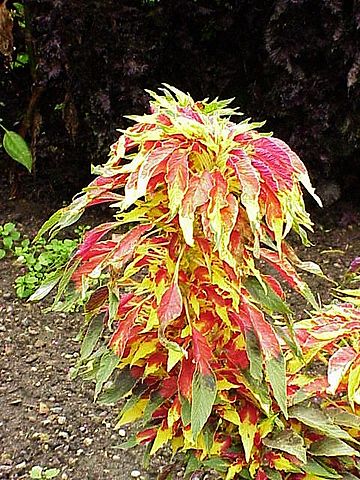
<point>177,178</point>
<point>124,332</point>
<point>338,365</point>
<point>128,242</point>
<point>185,377</point>
<point>170,305</point>
<point>264,331</point>
<point>272,154</point>
<point>93,236</point>
<point>156,158</point>
<point>168,387</point>
<point>197,193</point>
<point>202,352</point>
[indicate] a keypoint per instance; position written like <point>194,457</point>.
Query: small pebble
<point>88,441</point>
<point>43,408</point>
<point>63,435</point>
<point>61,420</point>
<point>135,473</point>
<point>122,432</point>
<point>116,458</point>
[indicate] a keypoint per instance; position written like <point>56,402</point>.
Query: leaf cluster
<point>199,337</point>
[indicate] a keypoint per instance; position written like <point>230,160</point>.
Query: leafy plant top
<point>198,329</point>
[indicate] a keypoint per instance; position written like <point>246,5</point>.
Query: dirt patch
<point>48,420</point>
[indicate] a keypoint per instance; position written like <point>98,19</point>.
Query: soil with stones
<point>49,420</point>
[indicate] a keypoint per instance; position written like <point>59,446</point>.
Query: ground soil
<point>45,418</point>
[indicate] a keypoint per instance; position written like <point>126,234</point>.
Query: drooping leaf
<point>318,420</point>
<point>196,195</point>
<point>109,361</point>
<point>269,299</point>
<point>203,397</point>
<point>17,148</point>
<point>338,365</point>
<point>354,385</point>
<point>92,336</point>
<point>249,416</point>
<point>314,468</point>
<point>288,441</point>
<point>177,178</point>
<point>170,307</point>
<point>333,447</point>
<point>274,358</point>
<point>45,288</point>
<point>122,385</point>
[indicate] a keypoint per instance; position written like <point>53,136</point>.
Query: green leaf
<point>216,463</point>
<point>36,472</point>
<point>203,397</point>
<point>275,368</point>
<point>17,148</point>
<point>123,384</point>
<point>267,299</point>
<point>109,361</point>
<point>65,279</point>
<point>51,472</point>
<point>314,468</point>
<point>46,287</point>
<point>332,447</point>
<point>155,401</point>
<point>131,443</point>
<point>315,418</point>
<point>289,442</point>
<point>92,336</point>
<point>2,253</point>
<point>273,474</point>
<point>192,464</point>
<point>254,354</point>
<point>344,418</point>
<point>185,411</point>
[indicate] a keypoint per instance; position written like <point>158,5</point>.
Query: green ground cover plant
<point>41,260</point>
<point>189,322</point>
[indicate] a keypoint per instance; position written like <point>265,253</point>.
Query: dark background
<point>294,63</point>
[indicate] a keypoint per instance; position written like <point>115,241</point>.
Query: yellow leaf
<point>247,432</point>
<point>233,470</point>
<point>144,350</point>
<point>173,357</point>
<point>133,413</point>
<point>353,386</point>
<point>266,426</point>
<point>173,415</point>
<point>162,437</point>
<point>285,465</point>
<point>195,304</point>
<point>253,468</point>
<point>176,444</point>
<point>152,322</point>
<point>224,384</point>
<point>231,415</point>
<point>187,227</point>
<point>222,312</point>
<point>185,332</point>
<point>151,369</point>
<point>188,439</point>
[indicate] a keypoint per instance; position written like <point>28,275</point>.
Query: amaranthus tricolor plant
<point>200,339</point>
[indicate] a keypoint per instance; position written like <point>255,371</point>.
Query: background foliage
<point>294,62</point>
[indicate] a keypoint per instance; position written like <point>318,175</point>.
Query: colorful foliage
<point>201,340</point>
